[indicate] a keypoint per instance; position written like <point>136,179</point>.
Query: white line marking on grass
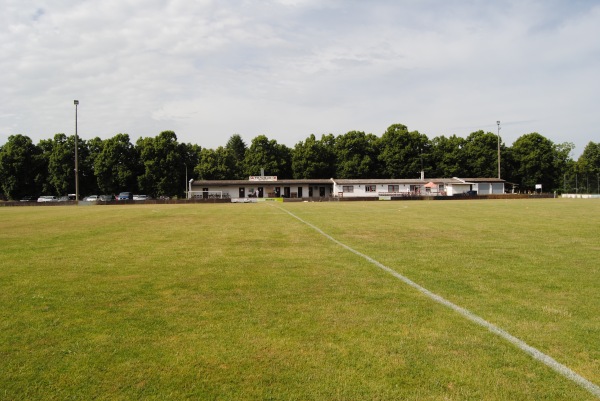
<point>533,352</point>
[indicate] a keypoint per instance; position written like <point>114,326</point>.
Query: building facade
<point>271,187</point>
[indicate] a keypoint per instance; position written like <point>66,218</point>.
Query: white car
<point>91,198</point>
<point>140,197</point>
<point>47,198</point>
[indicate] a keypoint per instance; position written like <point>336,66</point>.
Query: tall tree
<point>213,164</point>
<point>191,158</point>
<point>563,164</point>
<point>481,153</point>
<point>61,165</point>
<point>313,158</point>
<point>356,155</point>
<point>402,153</point>
<point>162,162</point>
<point>88,182</point>
<point>534,159</point>
<point>116,165</point>
<point>19,167</point>
<point>236,153</point>
<point>589,166</point>
<point>447,157</point>
<point>267,154</point>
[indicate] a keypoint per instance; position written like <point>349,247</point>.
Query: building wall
<point>367,190</point>
<point>347,190</point>
<point>457,189</point>
<point>269,190</point>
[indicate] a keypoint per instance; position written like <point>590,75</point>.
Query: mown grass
<point>241,301</point>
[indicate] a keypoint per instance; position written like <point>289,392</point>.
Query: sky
<point>291,68</point>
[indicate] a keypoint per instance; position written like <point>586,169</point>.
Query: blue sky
<point>290,68</point>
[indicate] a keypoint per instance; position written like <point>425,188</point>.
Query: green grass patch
<point>241,301</point>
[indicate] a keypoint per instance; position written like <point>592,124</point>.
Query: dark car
<point>125,196</point>
<point>29,199</point>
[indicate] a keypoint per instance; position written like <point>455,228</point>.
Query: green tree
<point>267,154</point>
<point>42,178</point>
<point>191,159</point>
<point>447,157</point>
<point>356,155</point>
<point>313,158</point>
<point>19,166</point>
<point>402,153</point>
<point>162,161</point>
<point>236,153</point>
<point>534,158</point>
<point>213,164</point>
<point>88,182</point>
<point>85,164</point>
<point>563,165</point>
<point>589,167</point>
<point>61,165</point>
<point>481,155</point>
<point>116,165</point>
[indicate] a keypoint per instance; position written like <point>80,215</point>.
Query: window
<point>348,188</point>
<point>393,188</point>
<point>370,188</point>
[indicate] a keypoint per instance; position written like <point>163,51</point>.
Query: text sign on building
<point>263,178</point>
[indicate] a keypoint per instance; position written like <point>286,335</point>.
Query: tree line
<point>160,165</point>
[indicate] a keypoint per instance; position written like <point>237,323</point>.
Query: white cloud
<point>289,68</point>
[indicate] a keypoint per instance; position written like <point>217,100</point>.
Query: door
<point>242,192</point>
<point>204,193</point>
<point>299,192</point>
<point>322,192</point>
<point>286,192</point>
<point>260,192</point>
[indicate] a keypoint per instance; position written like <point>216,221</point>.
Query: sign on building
<point>263,178</point>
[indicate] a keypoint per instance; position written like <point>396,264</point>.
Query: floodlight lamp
<point>76,102</point>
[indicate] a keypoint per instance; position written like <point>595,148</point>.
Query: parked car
<point>47,198</point>
<point>141,197</point>
<point>29,199</point>
<point>91,198</point>
<point>106,198</point>
<point>64,199</point>
<point>125,196</point>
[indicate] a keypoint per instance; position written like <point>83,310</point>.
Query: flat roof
<point>317,181</point>
<point>344,181</point>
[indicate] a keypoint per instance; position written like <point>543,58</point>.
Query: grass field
<point>243,301</point>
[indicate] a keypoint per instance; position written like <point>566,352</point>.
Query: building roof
<point>483,179</point>
<point>318,181</point>
<point>405,181</point>
<point>341,181</point>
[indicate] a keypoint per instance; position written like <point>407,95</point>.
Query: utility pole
<point>76,102</point>
<point>498,122</point>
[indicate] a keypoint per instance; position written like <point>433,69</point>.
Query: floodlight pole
<point>76,102</point>
<point>186,180</point>
<point>498,122</point>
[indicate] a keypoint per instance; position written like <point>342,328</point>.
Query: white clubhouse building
<point>315,189</point>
